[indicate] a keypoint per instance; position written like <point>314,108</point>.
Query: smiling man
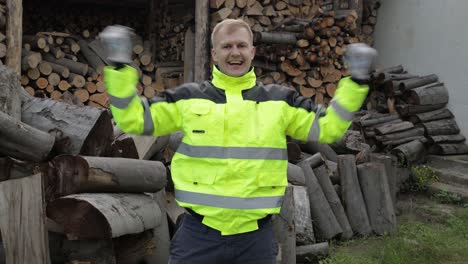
<point>230,170</point>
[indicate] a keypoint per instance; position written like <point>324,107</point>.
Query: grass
<point>429,233</point>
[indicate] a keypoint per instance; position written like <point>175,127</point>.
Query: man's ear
<point>213,55</point>
<point>253,52</point>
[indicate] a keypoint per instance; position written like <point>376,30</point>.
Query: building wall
<point>428,36</point>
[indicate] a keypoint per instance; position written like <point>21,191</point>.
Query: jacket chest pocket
<point>203,121</point>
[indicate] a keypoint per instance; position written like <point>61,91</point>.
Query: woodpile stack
<point>91,188</point>
<point>300,44</point>
<point>3,22</point>
<point>408,116</point>
<point>64,60</point>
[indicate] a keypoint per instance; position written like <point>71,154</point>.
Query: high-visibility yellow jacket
<point>231,165</point>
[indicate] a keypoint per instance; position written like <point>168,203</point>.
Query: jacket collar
<point>229,83</point>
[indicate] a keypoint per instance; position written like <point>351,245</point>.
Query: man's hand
<point>117,41</point>
<point>360,58</point>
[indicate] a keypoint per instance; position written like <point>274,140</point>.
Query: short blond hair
<point>231,24</point>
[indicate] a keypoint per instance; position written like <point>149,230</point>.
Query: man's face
<point>233,51</point>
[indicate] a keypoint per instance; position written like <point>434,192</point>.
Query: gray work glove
<point>360,58</point>
<point>117,42</point>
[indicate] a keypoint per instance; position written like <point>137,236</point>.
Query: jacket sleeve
<point>134,115</point>
<point>327,125</point>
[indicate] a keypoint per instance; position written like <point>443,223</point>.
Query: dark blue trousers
<point>195,243</point>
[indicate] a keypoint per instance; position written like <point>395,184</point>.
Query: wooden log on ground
<point>446,139</point>
<point>312,253</point>
<point>427,95</point>
<point>296,175</point>
<point>333,200</point>
<point>302,217</point>
<point>409,152</point>
<point>376,192</point>
<point>413,132</point>
<point>22,221</point>
<point>73,66</point>
<point>379,120</point>
<point>69,174</point>
<point>397,142</point>
<point>324,149</point>
<point>393,127</point>
<point>449,149</point>
<point>22,141</point>
<point>409,109</point>
<point>441,127</point>
<point>148,146</point>
<point>390,172</point>
<point>111,215</point>
<point>351,195</point>
<point>283,227</point>
<point>327,225</point>
<point>443,113</point>
<point>417,82</point>
<point>78,130</point>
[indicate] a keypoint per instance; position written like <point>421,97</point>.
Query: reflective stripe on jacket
<point>231,165</point>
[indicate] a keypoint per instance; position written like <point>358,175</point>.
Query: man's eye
<point>226,47</point>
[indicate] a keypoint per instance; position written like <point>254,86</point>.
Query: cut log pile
<point>91,189</point>
<point>64,61</point>
<point>300,44</point>
<point>409,116</point>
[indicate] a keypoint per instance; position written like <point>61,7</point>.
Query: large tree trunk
<point>22,221</point>
<point>14,34</point>
<point>78,174</point>
<point>374,186</point>
<point>22,141</point>
<point>352,196</point>
<point>78,130</point>
<point>104,216</point>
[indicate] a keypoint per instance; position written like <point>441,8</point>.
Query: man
<point>230,169</point>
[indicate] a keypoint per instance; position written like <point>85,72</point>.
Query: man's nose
<point>235,51</point>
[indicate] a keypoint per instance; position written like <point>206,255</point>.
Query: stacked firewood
<point>408,116</point>
<point>91,189</point>
<point>61,66</point>
<point>3,46</point>
<point>299,44</point>
<point>63,57</point>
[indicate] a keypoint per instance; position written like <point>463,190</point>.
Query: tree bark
<point>296,175</point>
<point>428,95</point>
<point>21,141</point>
<point>22,221</point>
<point>76,174</point>
<point>447,139</point>
<point>441,127</point>
<point>91,57</point>
<point>450,149</point>
<point>302,216</point>
<point>393,127</point>
<point>390,172</point>
<point>351,195</point>
<point>202,57</point>
<point>413,132</point>
<point>10,100</point>
<point>327,225</point>
<point>78,130</point>
<point>309,253</point>
<point>14,34</point>
<point>417,82</point>
<point>409,152</point>
<point>334,201</point>
<point>409,109</point>
<point>374,186</point>
<point>283,226</point>
<point>111,215</point>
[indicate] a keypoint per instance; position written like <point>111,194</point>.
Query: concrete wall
<point>428,36</point>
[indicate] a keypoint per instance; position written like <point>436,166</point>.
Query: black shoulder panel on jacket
<point>275,92</point>
<point>185,91</point>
